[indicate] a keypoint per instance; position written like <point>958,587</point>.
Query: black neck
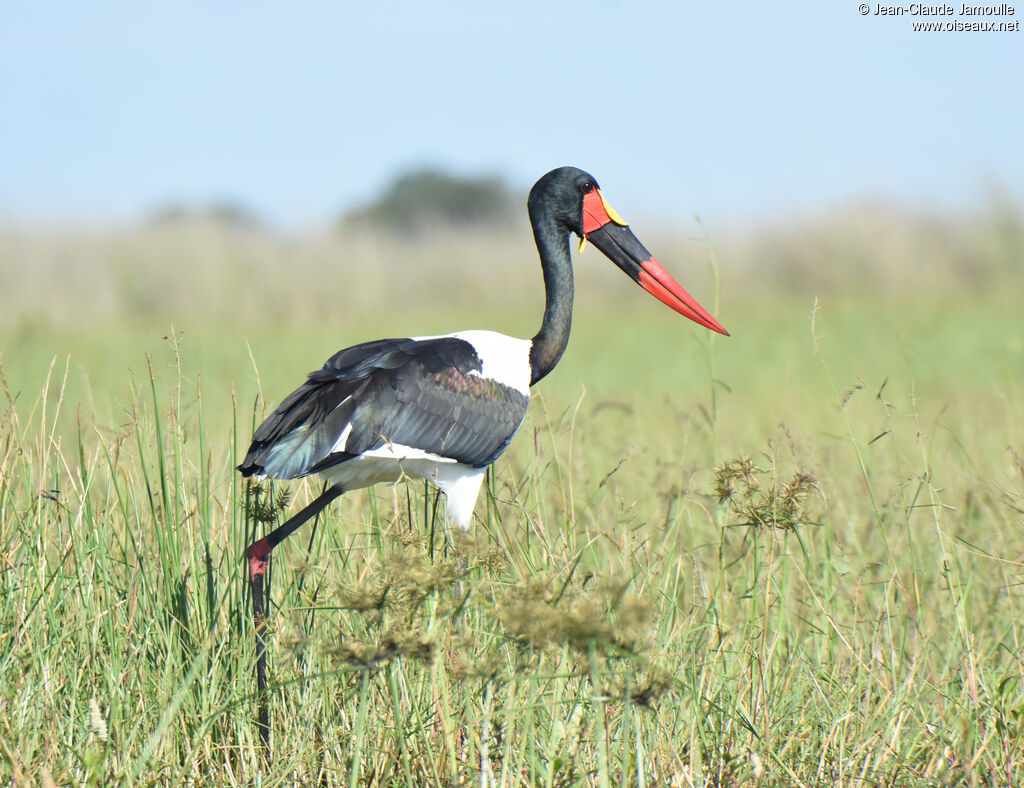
<point>556,262</point>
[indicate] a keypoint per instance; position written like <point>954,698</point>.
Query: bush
<point>429,198</point>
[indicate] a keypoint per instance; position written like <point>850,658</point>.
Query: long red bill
<point>612,236</point>
<point>659,283</point>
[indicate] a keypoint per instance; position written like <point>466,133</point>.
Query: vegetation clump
<point>740,487</point>
<point>548,612</point>
<point>263,503</point>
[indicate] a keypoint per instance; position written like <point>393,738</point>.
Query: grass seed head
<point>549,614</point>
<point>739,487</point>
<point>97,723</point>
<point>736,479</point>
<point>396,642</point>
<point>262,504</point>
<point>366,597</point>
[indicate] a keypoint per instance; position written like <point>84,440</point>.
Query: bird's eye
<point>587,187</point>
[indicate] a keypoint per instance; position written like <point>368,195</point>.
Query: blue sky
<point>735,111</point>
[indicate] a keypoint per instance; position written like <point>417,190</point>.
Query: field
<point>793,556</point>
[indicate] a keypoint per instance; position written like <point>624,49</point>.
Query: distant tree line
<point>227,213</point>
<point>429,198</point>
<point>414,201</point>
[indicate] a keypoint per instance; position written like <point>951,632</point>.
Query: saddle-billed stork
<point>445,407</point>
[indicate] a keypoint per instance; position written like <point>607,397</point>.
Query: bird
<point>441,408</point>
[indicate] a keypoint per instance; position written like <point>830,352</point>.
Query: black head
<point>559,196</point>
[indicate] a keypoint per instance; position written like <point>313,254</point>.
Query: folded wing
<point>424,394</point>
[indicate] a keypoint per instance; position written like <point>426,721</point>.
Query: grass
<point>792,557</point>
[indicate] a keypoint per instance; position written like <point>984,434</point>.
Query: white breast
<point>505,359</point>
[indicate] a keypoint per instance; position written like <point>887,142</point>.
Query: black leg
<point>258,554</point>
<point>260,621</point>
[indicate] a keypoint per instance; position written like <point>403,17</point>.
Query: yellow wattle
<point>611,212</point>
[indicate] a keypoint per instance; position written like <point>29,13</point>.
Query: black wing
<point>417,393</point>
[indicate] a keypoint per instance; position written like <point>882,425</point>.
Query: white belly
<point>393,463</point>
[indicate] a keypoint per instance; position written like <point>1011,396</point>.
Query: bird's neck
<point>550,342</point>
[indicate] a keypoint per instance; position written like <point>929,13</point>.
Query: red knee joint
<point>259,557</point>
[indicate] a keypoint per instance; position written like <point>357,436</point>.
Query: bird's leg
<point>260,622</point>
<point>258,555</point>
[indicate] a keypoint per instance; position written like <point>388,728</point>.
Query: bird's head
<point>571,198</point>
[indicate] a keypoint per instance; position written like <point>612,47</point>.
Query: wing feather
<point>425,394</point>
